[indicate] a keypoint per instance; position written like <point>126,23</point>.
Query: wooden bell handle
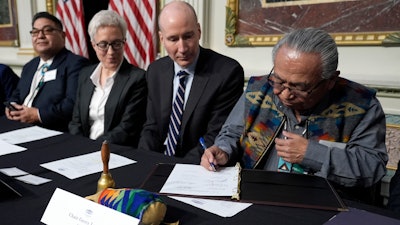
<point>105,156</point>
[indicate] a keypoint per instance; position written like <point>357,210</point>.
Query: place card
<point>66,208</point>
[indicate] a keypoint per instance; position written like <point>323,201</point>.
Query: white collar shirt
<point>35,82</point>
<point>98,102</point>
<point>188,81</point>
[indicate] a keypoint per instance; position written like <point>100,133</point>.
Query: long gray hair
<point>312,40</point>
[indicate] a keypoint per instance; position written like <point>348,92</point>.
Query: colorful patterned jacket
<point>346,106</point>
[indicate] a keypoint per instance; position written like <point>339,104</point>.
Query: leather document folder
<point>268,187</point>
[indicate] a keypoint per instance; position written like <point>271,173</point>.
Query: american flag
<point>71,14</point>
<point>140,15</point>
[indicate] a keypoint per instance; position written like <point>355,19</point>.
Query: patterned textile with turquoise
<point>141,204</point>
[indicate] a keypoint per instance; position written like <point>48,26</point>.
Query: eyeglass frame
<point>293,91</point>
<point>46,30</point>
<point>112,44</point>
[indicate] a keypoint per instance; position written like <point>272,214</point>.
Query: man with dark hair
<point>45,94</point>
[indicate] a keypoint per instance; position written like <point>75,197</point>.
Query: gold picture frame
<point>51,6</point>
<point>393,145</point>
<point>250,30</point>
<point>8,23</point>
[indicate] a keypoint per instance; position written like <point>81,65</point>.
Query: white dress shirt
<point>188,83</point>
<point>98,102</point>
<point>35,82</point>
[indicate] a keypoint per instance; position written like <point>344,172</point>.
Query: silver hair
<point>312,40</point>
<point>106,18</point>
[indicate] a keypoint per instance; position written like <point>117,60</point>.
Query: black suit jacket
<point>217,85</point>
<point>55,99</point>
<point>8,82</point>
<point>124,110</point>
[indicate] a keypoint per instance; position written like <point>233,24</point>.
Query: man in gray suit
<point>213,85</point>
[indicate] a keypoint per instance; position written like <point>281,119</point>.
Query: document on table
<point>6,148</point>
<point>79,166</point>
<point>13,171</point>
<point>188,179</point>
<point>32,179</point>
<point>65,208</point>
<point>24,176</point>
<point>27,134</point>
<point>219,207</point>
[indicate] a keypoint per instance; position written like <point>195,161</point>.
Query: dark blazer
<point>124,110</point>
<point>217,85</point>
<point>8,82</point>
<point>55,99</point>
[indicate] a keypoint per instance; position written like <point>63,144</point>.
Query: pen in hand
<point>203,144</point>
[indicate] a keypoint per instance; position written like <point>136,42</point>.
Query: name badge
<point>50,75</point>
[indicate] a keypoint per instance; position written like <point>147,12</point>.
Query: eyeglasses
<point>47,30</point>
<point>293,90</point>
<point>115,45</point>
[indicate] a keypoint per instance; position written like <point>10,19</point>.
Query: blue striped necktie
<point>176,116</point>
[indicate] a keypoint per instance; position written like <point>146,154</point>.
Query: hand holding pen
<point>203,144</point>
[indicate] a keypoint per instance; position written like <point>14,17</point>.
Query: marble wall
<point>334,16</point>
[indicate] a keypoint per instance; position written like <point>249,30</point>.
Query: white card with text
<point>66,208</point>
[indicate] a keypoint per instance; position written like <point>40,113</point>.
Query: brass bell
<point>106,180</point>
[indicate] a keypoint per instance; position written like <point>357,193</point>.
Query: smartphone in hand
<point>10,106</point>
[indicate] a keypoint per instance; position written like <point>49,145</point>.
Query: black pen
<point>203,144</point>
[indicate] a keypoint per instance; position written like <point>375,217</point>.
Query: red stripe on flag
<point>140,17</point>
<point>148,8</point>
<point>71,14</point>
<point>143,26</point>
